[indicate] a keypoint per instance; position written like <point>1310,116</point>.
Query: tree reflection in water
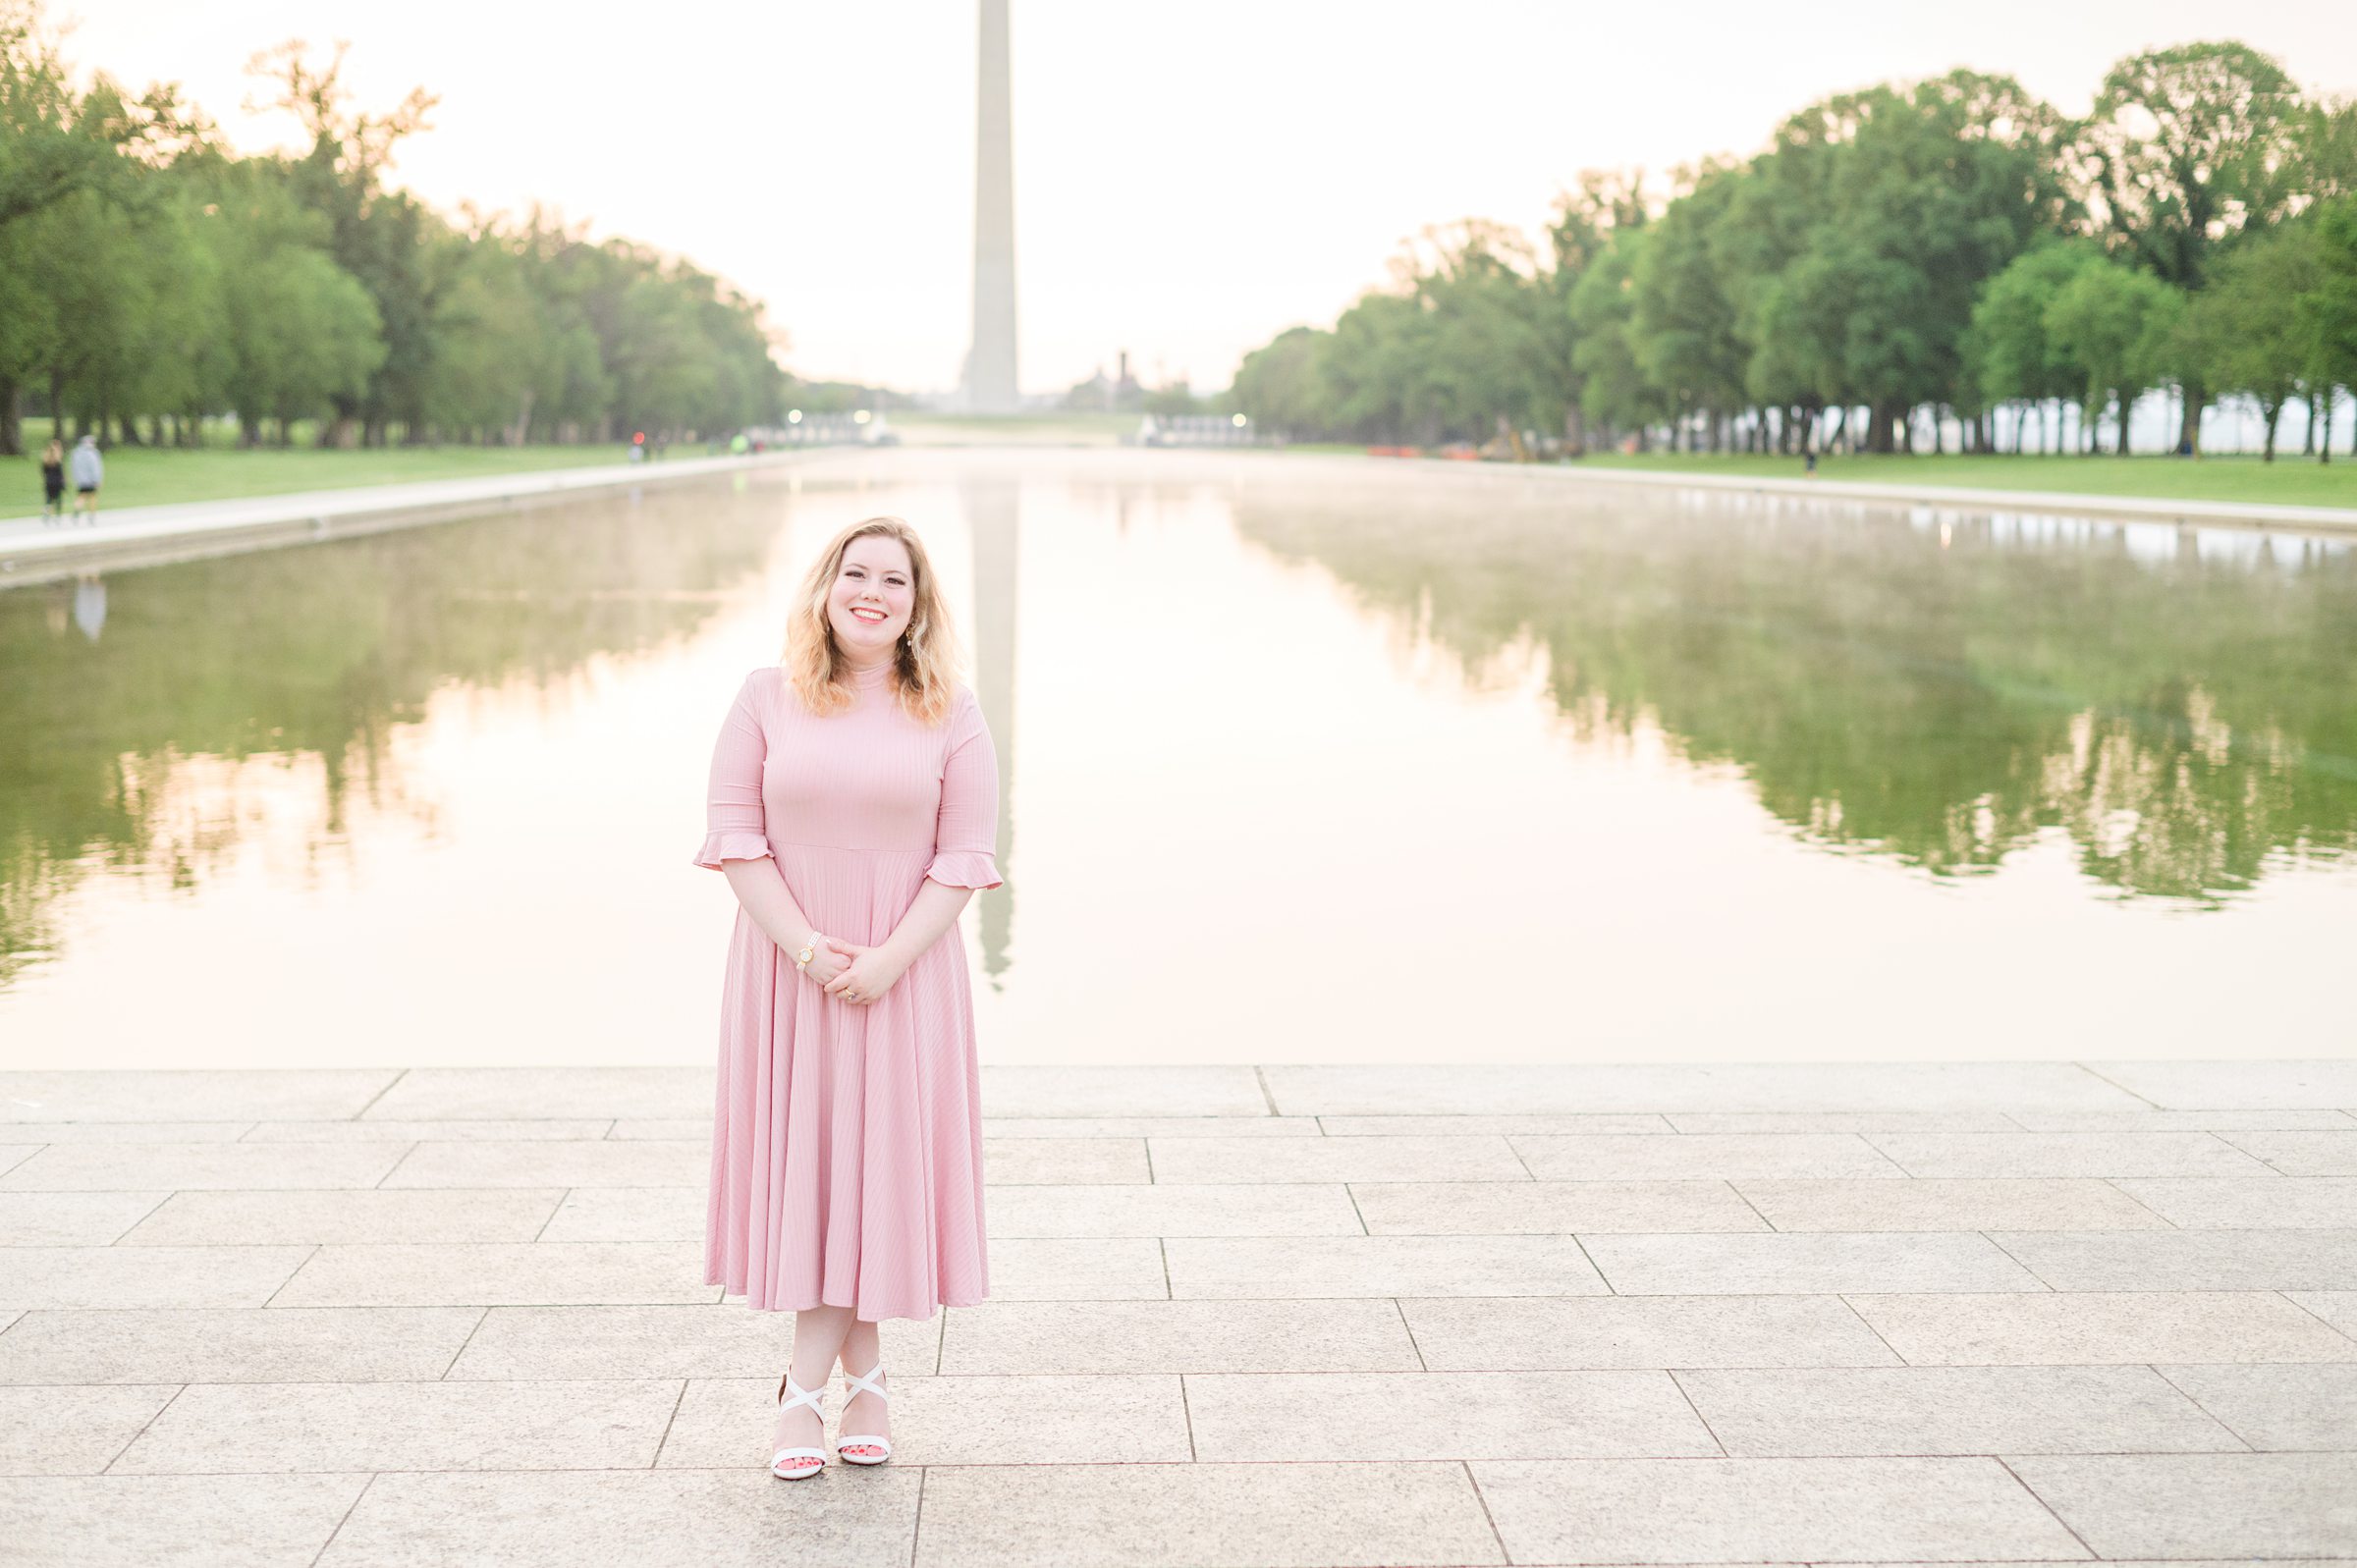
<point>311,658</point>
<point>1939,689</point>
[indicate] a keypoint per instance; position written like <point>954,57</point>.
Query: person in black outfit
<point>53,480</point>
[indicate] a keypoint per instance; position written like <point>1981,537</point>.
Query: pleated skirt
<point>846,1138</point>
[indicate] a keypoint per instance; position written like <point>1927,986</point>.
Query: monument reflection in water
<point>1305,759</point>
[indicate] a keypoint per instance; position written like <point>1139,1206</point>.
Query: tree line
<point>1900,267</point>
<point>151,278</point>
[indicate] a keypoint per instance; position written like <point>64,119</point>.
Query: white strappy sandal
<point>866,1384</point>
<point>799,1464</point>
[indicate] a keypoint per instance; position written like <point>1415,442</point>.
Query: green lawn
<point>141,476</point>
<point>2287,481</point>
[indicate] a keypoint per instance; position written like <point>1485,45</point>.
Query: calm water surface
<point>1305,759</point>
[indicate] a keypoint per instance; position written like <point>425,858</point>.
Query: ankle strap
<point>804,1396</point>
<point>866,1380</point>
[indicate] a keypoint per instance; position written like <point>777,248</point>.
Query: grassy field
<point>2287,481</point>
<point>144,476</point>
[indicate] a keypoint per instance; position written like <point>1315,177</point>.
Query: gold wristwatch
<point>810,946</point>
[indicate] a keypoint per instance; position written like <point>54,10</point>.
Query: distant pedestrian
<point>53,480</point>
<point>89,472</point>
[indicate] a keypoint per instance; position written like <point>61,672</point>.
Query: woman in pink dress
<point>854,807</point>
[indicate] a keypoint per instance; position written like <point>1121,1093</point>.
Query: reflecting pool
<point>1305,759</point>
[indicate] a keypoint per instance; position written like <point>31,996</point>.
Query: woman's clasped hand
<point>852,973</point>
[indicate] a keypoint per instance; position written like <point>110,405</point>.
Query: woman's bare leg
<point>818,1338</point>
<point>862,1348</point>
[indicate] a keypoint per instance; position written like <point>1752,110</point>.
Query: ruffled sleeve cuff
<point>964,868</point>
<point>732,845</point>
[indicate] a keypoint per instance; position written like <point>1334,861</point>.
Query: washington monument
<point>990,372</point>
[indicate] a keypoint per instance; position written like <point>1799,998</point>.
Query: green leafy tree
<point>2254,335</point>
<point>2114,324</point>
<point>1282,385</point>
<point>2014,355</point>
<point>2330,308</point>
<point>2187,147</point>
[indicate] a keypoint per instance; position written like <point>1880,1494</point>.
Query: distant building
<point>1119,392</point>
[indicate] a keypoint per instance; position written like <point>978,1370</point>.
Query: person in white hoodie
<point>88,472</point>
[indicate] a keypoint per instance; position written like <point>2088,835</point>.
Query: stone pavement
<point>1288,1315</point>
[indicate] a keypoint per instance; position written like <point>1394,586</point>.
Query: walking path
<point>32,549</point>
<point>1291,1315</point>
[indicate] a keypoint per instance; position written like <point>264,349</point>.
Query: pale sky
<point>1189,178</point>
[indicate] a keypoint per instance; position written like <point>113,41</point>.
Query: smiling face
<point>873,593</point>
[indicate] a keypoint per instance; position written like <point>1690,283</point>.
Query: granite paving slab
<point>721,1340</point>
<point>610,1162</point>
<point>2183,1121</point>
<point>1215,1160</point>
<point>2066,1154</point>
<point>495,1274</point>
<point>285,1344</point>
<point>1299,1268</point>
<point>75,1431</point>
<point>2101,1328</point>
<point>1086,1268</point>
<point>1181,1337</point>
<point>372,1131</point>
<point>1485,1125</point>
<point>1261,1125</point>
<point>503,1093</point>
<point>72,1218</point>
<point>1276,1209</point>
<point>224,1428</point>
<point>1804,1263</point>
<point>1704,1157</point>
<point>668,1129</point>
<point>185,1521</point>
<point>1952,1409</point>
<point>145,1276</point>
<point>212,1218</point>
<point>181,1167</point>
<point>1642,1331</point>
<point>44,1132</point>
<point>1012,1162</point>
<point>632,1214</point>
<point>2321,1085</point>
<point>1668,1088</point>
<point>1458,1415</point>
<point>2301,1153</point>
<point>2200,1505</point>
<point>194,1094</point>
<point>2285,1407</point>
<point>1094,1090</point>
<point>2335,1307</point>
<point>1307,1515</point>
<point>2265,1203</point>
<point>1948,1204</point>
<point>2187,1259</point>
<point>1027,1420</point>
<point>1773,1510</point>
<point>736,1518</point>
<point>1733,1121</point>
<point>1548,1208</point>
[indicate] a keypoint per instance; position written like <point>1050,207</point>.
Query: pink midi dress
<point>847,1138</point>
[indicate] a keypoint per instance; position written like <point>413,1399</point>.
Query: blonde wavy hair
<point>926,662</point>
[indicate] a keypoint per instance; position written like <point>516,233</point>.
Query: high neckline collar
<point>868,679</point>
